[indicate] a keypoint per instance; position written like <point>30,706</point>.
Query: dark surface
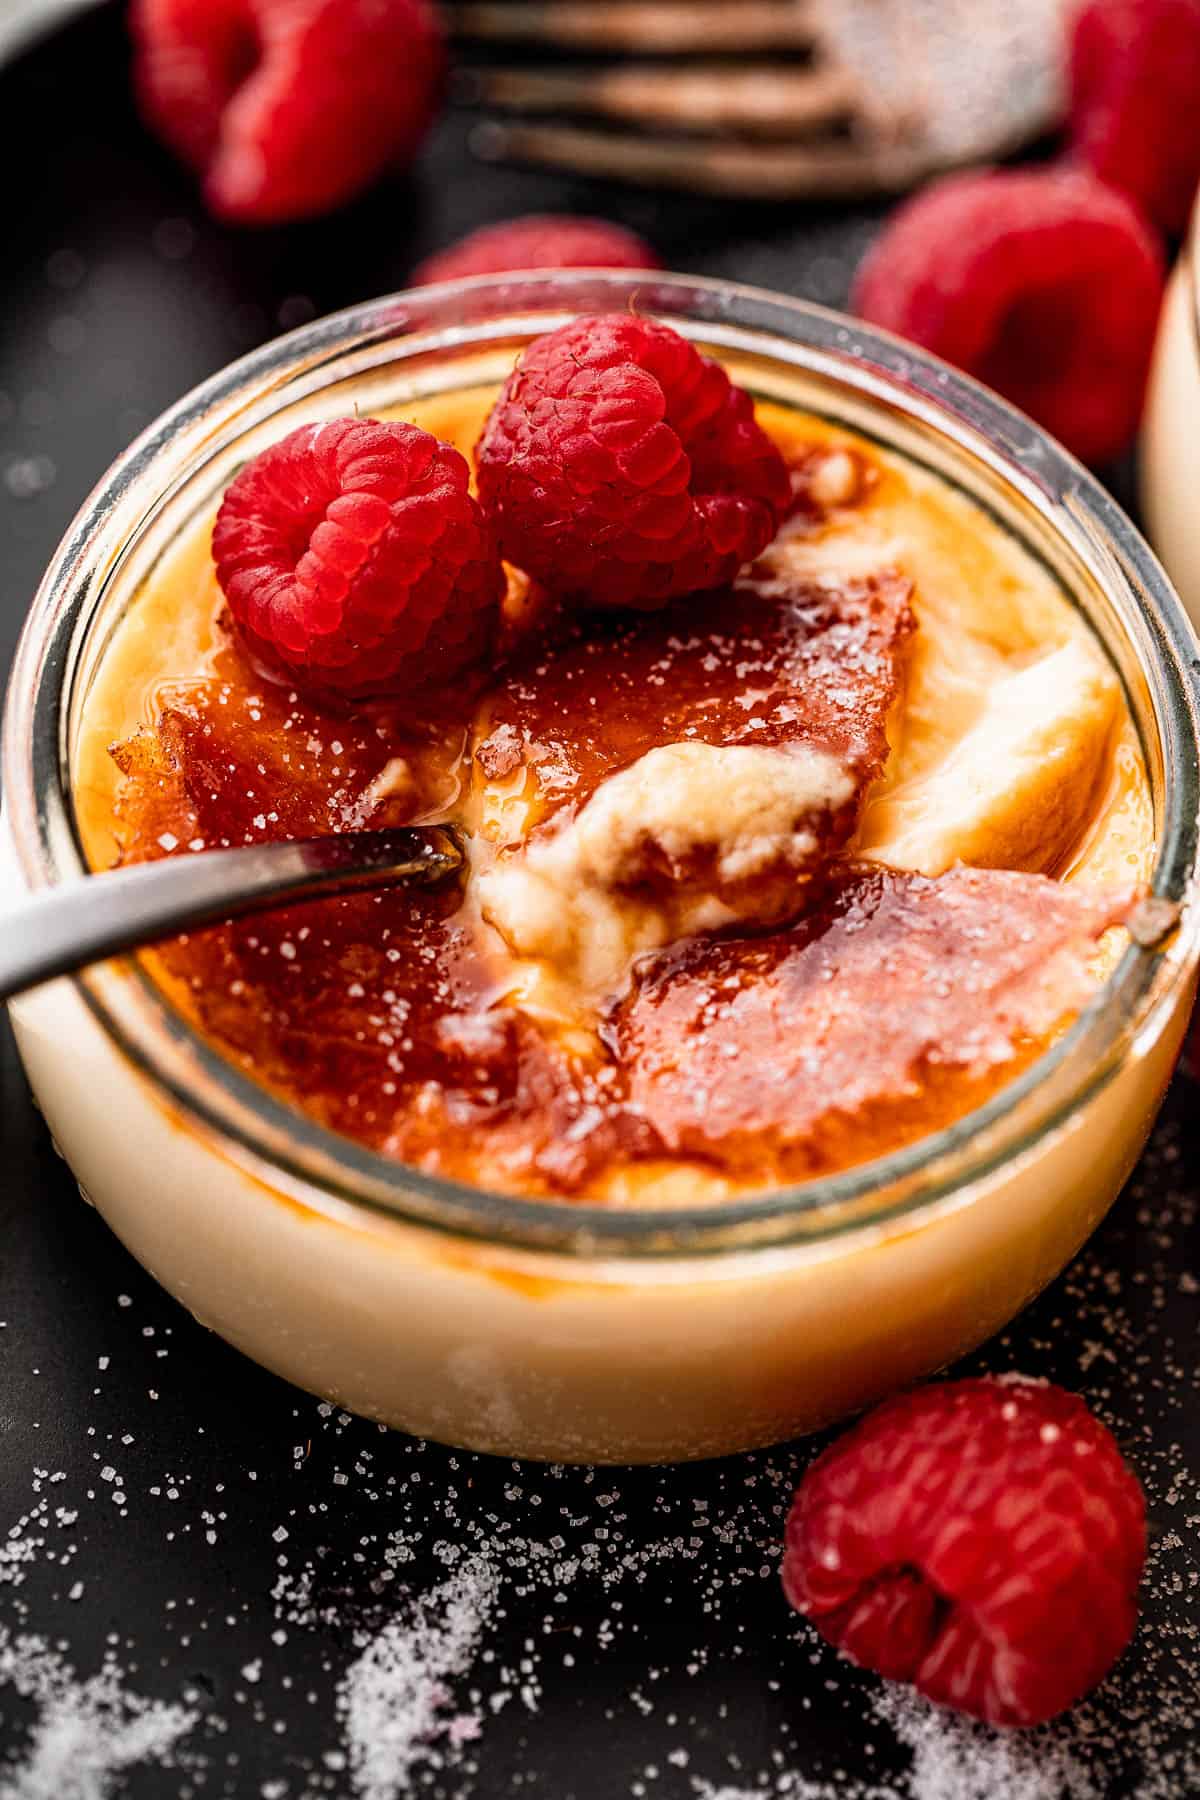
<point>667,1665</point>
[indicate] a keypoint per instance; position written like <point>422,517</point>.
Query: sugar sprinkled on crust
<point>732,812</point>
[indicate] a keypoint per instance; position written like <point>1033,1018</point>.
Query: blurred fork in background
<point>769,99</point>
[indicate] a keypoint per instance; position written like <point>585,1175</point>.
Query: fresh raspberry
<point>981,1539</point>
<point>1042,282</point>
<point>355,561</point>
<point>1134,119</point>
<point>287,107</point>
<point>621,467</point>
<point>541,241</point>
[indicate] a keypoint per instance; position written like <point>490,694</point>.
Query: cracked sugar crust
<point>715,804</point>
<point>798,651</point>
<point>979,967</point>
<point>408,1023</point>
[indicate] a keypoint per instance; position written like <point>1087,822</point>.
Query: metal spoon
<point>60,929</point>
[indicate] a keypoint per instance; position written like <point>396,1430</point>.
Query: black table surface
<point>232,1547</point>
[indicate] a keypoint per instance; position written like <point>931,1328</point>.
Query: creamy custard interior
<point>730,916</point>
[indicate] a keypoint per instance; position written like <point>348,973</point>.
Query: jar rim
<point>278,1141</point>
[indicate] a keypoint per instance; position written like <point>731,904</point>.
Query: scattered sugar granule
<point>392,1700</point>
<point>87,1733</point>
<point>795,1787</point>
<point>955,1759</point>
<point>16,1553</point>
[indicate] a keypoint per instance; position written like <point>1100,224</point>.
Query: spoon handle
<point>60,929</point>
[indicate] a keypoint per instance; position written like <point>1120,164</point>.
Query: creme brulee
<point>758,888</point>
<point>894,686</point>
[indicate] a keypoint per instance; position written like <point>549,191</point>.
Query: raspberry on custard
<point>539,241</point>
<point>982,1539</point>
<point>355,560</point>
<point>1134,117</point>
<point>621,468</point>
<point>287,107</point>
<point>1043,282</point>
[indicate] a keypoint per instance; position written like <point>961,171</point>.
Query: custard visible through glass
<point>758,887</point>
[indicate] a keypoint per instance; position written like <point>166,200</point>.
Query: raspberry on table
<point>621,468</point>
<point>539,241</point>
<point>982,1539</point>
<point>1134,118</point>
<point>1042,282</point>
<point>356,562</point>
<point>287,107</point>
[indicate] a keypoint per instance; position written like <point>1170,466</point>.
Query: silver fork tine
<point>889,91</point>
<point>758,171</point>
<point>654,26</point>
<point>760,100</point>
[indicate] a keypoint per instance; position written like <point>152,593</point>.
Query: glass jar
<point>553,1329</point>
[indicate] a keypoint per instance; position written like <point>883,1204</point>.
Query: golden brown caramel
<point>888,1010</point>
<point>773,661</point>
<point>417,1027</point>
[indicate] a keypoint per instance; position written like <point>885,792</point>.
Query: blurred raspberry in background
<point>539,241</point>
<point>287,108</point>
<point>1135,102</point>
<point>1042,282</point>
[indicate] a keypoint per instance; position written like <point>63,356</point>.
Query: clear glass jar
<point>553,1329</point>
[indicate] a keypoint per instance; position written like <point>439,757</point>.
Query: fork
<point>769,99</point>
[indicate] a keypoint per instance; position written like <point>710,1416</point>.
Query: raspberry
<point>1042,282</point>
<point>981,1539</point>
<point>1135,77</point>
<point>541,241</point>
<point>287,107</point>
<point>355,561</point>
<point>621,467</point>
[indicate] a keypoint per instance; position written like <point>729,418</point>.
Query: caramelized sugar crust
<point>745,1055</point>
<point>776,660</point>
<point>682,771</point>
<point>893,1007</point>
